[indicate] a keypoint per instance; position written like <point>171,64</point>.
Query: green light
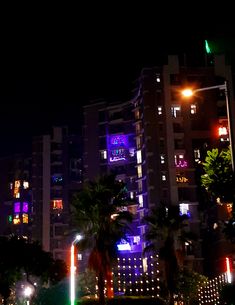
<point>207,47</point>
<point>10,218</point>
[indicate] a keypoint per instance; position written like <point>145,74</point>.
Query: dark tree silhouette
<point>166,234</point>
<point>99,214</point>
<point>20,258</point>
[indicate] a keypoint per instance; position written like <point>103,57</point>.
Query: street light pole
<point>224,87</point>
<point>73,269</point>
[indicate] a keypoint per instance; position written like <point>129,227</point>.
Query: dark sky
<point>56,59</point>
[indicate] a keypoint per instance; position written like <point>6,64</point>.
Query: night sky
<point>57,59</point>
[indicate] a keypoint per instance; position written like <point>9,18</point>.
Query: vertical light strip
<point>72,277</point>
<point>229,276</point>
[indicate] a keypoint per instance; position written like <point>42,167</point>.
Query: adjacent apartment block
<point>56,175</point>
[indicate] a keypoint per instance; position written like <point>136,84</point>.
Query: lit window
<point>162,158</point>
<point>132,195</point>
<point>179,161</point>
<point>79,256</point>
<point>57,179</point>
<point>131,152</point>
<point>137,114</point>
<point>139,171</point>
<point>138,128</point>
<point>16,219</point>
<point>140,186</point>
<point>139,156</point>
<point>138,142</point>
<point>175,110</point>
<point>223,131</point>
<point>180,178</point>
<point>136,240</point>
<point>117,155</point>
<point>159,110</point>
<point>25,207</point>
<point>16,191</point>
<point>25,184</point>
<point>197,155</point>
<point>163,177</point>
<point>184,209</point>
<point>118,140</point>
<point>17,207</point>
<point>141,201</point>
<point>141,214</point>
<point>145,265</point>
<point>193,109</point>
<point>103,154</point>
<point>25,218</point>
<point>57,204</point>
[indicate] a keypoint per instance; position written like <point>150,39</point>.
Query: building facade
<point>15,194</point>
<point>56,175</point>
<point>156,142</point>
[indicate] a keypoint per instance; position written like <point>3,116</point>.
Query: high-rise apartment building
<point>173,135</point>
<point>56,175</point>
<point>155,143</point>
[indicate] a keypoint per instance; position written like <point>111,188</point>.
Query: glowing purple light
<point>17,207</point>
<point>119,140</point>
<point>124,247</point>
<point>117,155</point>
<point>117,148</point>
<point>25,208</point>
<point>182,164</point>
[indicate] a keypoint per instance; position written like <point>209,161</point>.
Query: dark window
<point>115,116</point>
<point>179,144</point>
<point>56,169</point>
<point>117,128</point>
<point>161,144</point>
<point>102,130</point>
<point>56,146</point>
<point>56,158</point>
<point>59,230</point>
<point>102,116</point>
<point>102,143</point>
<point>175,79</point>
<point>177,127</point>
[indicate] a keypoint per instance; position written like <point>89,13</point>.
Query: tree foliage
<point>100,214</point>
<point>167,235</point>
<point>188,283</point>
<point>218,179</point>
<point>227,295</point>
<point>20,258</point>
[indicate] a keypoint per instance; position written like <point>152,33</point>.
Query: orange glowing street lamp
<point>189,92</point>
<point>73,269</point>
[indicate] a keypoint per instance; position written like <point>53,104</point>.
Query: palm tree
<point>166,234</point>
<point>100,215</point>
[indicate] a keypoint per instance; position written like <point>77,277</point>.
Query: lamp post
<point>28,291</point>
<point>189,92</point>
<point>73,269</point>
